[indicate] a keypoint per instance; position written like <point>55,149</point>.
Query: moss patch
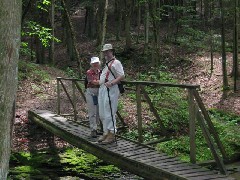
<point>68,162</point>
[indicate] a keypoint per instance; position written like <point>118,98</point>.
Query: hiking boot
<point>102,138</point>
<point>94,133</point>
<point>109,139</point>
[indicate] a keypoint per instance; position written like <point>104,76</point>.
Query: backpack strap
<point>109,70</point>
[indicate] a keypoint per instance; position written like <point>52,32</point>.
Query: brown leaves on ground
<point>199,72</point>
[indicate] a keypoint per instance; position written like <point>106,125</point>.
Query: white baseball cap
<point>94,60</point>
<point>107,47</point>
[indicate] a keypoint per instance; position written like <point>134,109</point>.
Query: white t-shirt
<point>116,68</point>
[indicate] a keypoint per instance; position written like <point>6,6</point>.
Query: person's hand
<point>95,82</point>
<point>108,84</point>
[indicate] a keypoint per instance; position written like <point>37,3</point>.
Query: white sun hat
<point>94,60</point>
<point>107,47</point>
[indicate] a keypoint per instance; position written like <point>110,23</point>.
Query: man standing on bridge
<point>109,93</point>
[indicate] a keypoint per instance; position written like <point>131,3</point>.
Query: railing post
<point>209,123</point>
<point>211,144</point>
<point>58,95</point>
<point>192,125</point>
<point>74,100</point>
<point>139,113</point>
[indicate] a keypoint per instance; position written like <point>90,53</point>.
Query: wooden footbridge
<point>136,157</point>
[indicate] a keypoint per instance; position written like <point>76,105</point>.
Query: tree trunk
<point>40,50</point>
<point>235,55</point>
<point>89,21</point>
<point>128,9</point>
<point>10,28</point>
<point>39,47</point>
<point>100,14</point>
<point>206,10</point>
<point>146,24</point>
<point>104,25</point>
<point>118,13</point>
<point>138,21</point>
<point>67,39</point>
<point>201,9</point>
<point>51,53</point>
<point>155,22</point>
<point>146,28</point>
<point>26,9</point>
<point>72,36</point>
<point>224,59</point>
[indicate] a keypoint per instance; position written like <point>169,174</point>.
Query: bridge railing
<point>196,108</point>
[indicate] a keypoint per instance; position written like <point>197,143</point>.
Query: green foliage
<point>131,134</point>
<point>43,4</point>
<point>217,43</point>
<point>226,125</point>
<point>25,50</point>
<point>69,161</point>
<point>25,169</point>
<point>26,172</point>
<point>121,107</point>
<point>224,116</point>
<point>43,33</point>
<point>28,70</point>
<point>192,39</point>
<point>79,161</point>
<point>107,170</point>
<point>180,146</point>
<point>172,107</point>
<point>70,72</point>
<point>171,103</point>
<point>25,165</point>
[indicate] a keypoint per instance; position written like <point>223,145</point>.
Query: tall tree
<point>128,10</point>
<point>235,54</point>
<point>89,27</point>
<point>118,15</point>
<point>146,33</point>
<point>52,17</point>
<point>153,5</point>
<point>224,59</point>
<point>138,19</point>
<point>104,26</point>
<point>99,16</point>
<point>10,28</point>
<point>206,10</point>
<point>72,36</point>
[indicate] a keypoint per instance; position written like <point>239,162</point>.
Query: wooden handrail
<point>146,83</point>
<point>70,79</point>
<point>197,111</point>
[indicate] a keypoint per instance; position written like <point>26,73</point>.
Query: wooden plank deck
<point>135,158</point>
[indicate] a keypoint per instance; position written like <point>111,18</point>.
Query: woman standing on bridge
<point>109,93</point>
<point>93,74</point>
